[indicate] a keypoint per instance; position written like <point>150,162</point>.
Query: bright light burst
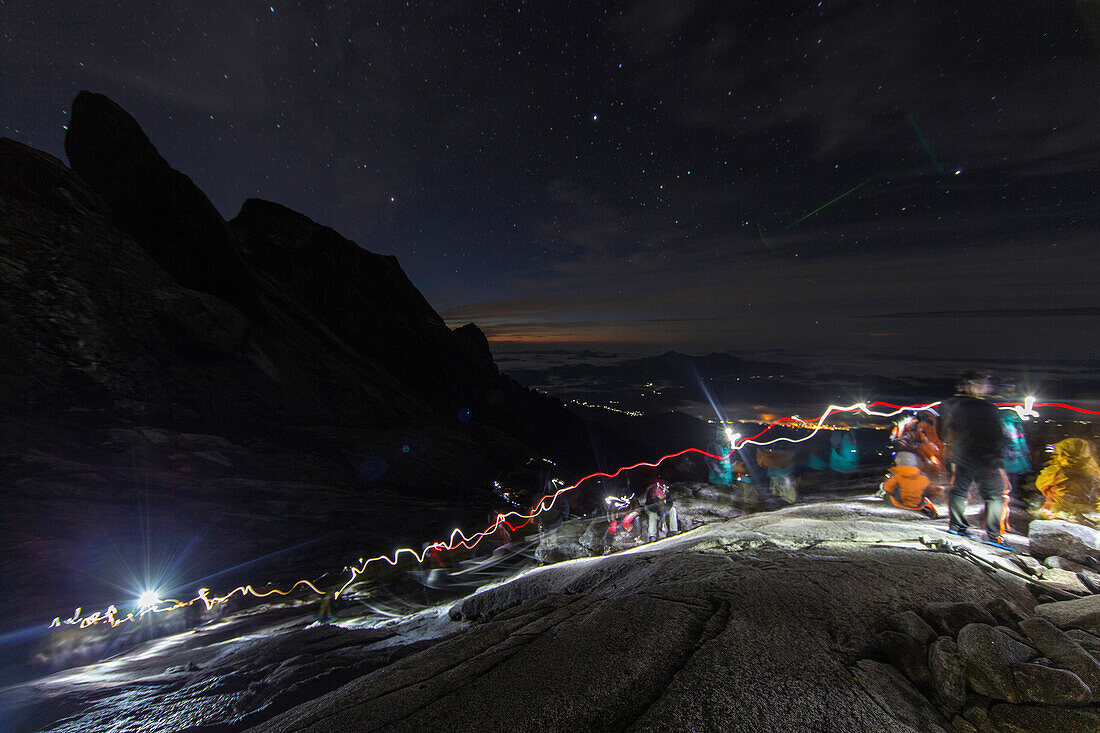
<point>150,602</point>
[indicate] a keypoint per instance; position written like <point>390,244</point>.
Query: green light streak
<point>766,242</point>
<point>925,145</point>
<point>830,203</point>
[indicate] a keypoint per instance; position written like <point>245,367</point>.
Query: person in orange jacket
<point>918,435</point>
<point>907,487</point>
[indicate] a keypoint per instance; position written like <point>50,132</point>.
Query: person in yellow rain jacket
<point>908,488</point>
<point>1070,482</point>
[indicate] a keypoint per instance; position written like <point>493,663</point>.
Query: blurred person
<point>498,540</point>
<point>1070,482</point>
<point>975,446</point>
<point>552,507</point>
<point>908,488</point>
<point>918,435</point>
<point>816,451</point>
<point>619,525</point>
<point>781,467</point>
<point>844,456</point>
<point>659,509</point>
<point>720,469</point>
<point>1017,459</point>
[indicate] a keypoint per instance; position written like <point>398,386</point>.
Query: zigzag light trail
<point>516,520</point>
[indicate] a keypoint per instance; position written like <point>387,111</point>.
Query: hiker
<point>844,456</point>
<point>781,466</point>
<point>1017,459</point>
<point>975,444</point>
<point>918,435</point>
<point>907,487</point>
<point>721,468</point>
<point>1070,482</point>
<point>553,507</point>
<point>659,509</point>
<point>618,526</point>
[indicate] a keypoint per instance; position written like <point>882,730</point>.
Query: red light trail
<point>150,603</point>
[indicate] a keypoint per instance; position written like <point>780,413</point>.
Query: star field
<point>697,175</point>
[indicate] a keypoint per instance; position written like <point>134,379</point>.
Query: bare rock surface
<point>740,625</point>
<point>1032,718</point>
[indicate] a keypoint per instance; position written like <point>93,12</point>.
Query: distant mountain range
<point>675,380</point>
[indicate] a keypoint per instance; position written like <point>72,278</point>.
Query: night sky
<point>644,175</point>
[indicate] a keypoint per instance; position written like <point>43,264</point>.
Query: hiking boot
<point>960,532</point>
<point>998,542</point>
<point>930,512</point>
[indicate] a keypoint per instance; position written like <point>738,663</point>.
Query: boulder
<point>1063,651</point>
<point>907,654</point>
<point>976,711</point>
<point>962,725</point>
<point>592,539</point>
<point>948,673</point>
<point>1029,565</point>
<point>988,656</point>
<point>895,694</point>
<point>1009,631</point>
<point>562,543</point>
<point>1080,613</point>
<point>1050,685</point>
<point>949,618</point>
<point>1005,611</point>
<point>1031,718</point>
<point>1063,579</point>
<point>1088,577</point>
<point>1074,542</point>
<point>910,624</point>
<point>1089,642</point>
<point>1055,561</point>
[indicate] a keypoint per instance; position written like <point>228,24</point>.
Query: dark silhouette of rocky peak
<point>365,299</point>
<point>32,175</point>
<point>161,208</point>
<point>476,344</point>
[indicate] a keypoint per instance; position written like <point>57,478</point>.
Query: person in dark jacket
<point>975,446</point>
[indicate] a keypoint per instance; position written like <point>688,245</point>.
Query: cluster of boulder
<point>1070,554</point>
<point>995,668</point>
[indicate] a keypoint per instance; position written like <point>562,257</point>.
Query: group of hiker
<point>655,502</point>
<point>968,442</point>
<point>985,447</point>
<point>776,468</point>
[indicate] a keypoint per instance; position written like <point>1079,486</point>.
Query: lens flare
<point>147,600</point>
